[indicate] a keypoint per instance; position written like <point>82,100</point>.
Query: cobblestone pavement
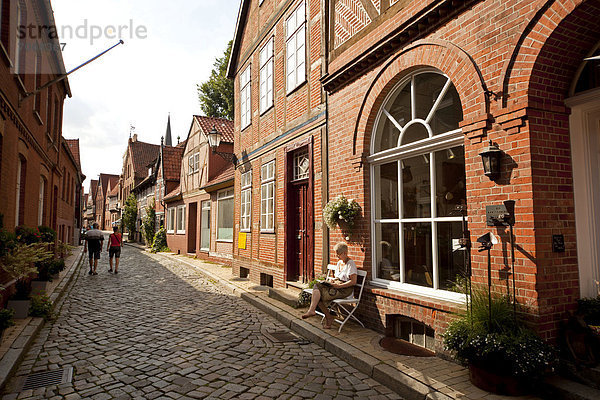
<point>160,329</point>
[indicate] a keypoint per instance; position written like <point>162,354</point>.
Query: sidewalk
<point>411,377</point>
<point>17,339</point>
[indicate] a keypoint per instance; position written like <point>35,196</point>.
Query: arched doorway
<point>585,146</point>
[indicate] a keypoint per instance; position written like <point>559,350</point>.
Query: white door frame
<point>584,123</point>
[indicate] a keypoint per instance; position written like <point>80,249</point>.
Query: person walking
<point>94,240</point>
<point>115,243</point>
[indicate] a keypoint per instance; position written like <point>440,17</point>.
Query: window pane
<point>450,180</point>
<point>387,184</point>
<point>388,252</point>
<point>451,261</point>
<point>414,133</point>
<point>387,135</point>
<point>448,113</point>
<point>416,194</point>
<point>225,219</point>
<point>427,89</point>
<point>417,253</point>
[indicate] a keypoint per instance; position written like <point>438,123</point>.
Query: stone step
<point>565,389</point>
<point>287,296</point>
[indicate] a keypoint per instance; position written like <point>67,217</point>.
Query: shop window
<point>418,180</point>
<point>225,215</point>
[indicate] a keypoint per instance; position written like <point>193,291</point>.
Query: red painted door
<point>299,268</point>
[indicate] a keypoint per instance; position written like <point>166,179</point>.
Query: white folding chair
<point>345,308</point>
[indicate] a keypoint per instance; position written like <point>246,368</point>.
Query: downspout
<point>325,143</point>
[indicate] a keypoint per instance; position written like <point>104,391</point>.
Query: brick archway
<point>442,55</point>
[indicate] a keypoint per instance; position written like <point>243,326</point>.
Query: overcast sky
<point>173,47</point>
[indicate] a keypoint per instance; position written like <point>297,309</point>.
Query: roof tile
<point>223,125</point>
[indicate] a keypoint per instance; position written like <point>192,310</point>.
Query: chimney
<point>135,137</point>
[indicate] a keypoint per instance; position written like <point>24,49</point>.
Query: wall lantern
<point>214,140</point>
<point>491,157</point>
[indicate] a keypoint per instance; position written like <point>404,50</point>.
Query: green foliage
<point>505,346</point>
<point>19,262</point>
<point>130,215</point>
<point>41,306</point>
<point>63,249</point>
<point>6,318</point>
<point>149,224</point>
<point>27,235</point>
<point>8,241</point>
<point>47,234</point>
<point>341,210</point>
<point>216,94</point>
<point>160,241</point>
<point>589,308</point>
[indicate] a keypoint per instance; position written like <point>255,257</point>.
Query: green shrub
<point>41,306</point>
<point>159,243</point>
<point>8,241</point>
<point>6,318</point>
<point>47,234</point>
<point>27,235</point>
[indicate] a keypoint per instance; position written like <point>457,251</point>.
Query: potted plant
<point>19,264</point>
<point>341,212</point>
<point>503,355</point>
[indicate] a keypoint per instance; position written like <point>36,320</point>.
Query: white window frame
<point>266,76</point>
<point>267,201</point>
<point>226,194</point>
<point>41,201</point>
<point>246,202</point>
<point>205,206</point>
<point>295,45</point>
<point>171,220</point>
<point>194,163</point>
<point>245,98</point>
<point>426,147</point>
<point>180,219</point>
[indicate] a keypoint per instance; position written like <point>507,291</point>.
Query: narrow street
<point>162,330</point>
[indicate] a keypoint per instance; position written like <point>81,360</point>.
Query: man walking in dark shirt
<point>94,240</point>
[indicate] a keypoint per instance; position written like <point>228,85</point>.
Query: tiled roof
<point>143,154</point>
<point>114,191</point>
<point>227,174</point>
<point>74,147</point>
<point>182,144</point>
<point>172,162</point>
<point>223,125</point>
<point>173,194</point>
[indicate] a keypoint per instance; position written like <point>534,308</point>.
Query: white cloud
<point>140,82</point>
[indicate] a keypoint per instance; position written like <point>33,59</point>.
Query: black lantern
<point>214,140</point>
<point>491,161</point>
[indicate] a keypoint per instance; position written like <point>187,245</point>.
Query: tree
<point>130,215</point>
<point>148,223</point>
<point>216,94</point>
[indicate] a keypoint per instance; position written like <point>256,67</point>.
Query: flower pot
<point>20,307</point>
<point>495,382</point>
<point>38,287</point>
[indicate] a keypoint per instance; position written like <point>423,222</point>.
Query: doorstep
<point>17,339</point>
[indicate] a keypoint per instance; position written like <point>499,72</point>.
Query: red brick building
<point>415,92</point>
<point>105,183</point>
<point>277,62</point>
<point>199,217</point>
<point>168,172</point>
<point>90,208</point>
<point>40,175</point>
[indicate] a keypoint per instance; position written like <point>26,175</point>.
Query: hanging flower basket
<point>341,212</point>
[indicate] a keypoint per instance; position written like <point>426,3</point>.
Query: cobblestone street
<point>163,330</point>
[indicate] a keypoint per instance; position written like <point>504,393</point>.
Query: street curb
<point>389,376</point>
<point>21,345</point>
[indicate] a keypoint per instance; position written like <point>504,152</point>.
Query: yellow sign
<point>242,240</point>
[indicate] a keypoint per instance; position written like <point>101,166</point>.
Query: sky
<point>170,47</point>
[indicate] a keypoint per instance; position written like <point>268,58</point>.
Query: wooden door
<point>299,268</point>
<point>191,230</point>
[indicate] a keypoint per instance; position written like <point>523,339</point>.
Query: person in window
<point>340,286</point>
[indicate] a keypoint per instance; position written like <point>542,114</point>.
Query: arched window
<point>418,179</point>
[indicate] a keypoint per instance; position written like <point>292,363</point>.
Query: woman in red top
<point>115,242</point>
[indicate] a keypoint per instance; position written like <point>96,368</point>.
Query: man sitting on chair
<point>338,287</point>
